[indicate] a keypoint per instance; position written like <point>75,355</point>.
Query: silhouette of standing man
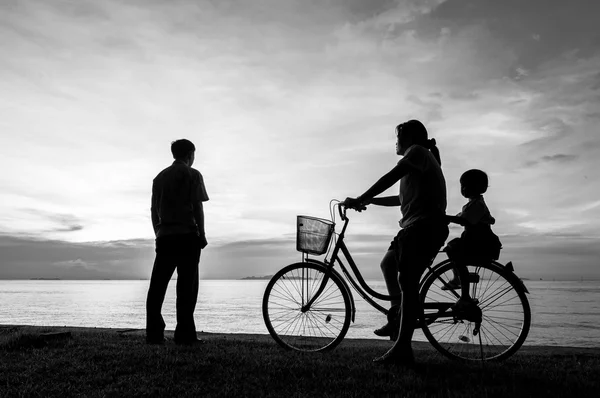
<point>178,220</point>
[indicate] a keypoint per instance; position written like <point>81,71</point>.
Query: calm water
<point>564,313</point>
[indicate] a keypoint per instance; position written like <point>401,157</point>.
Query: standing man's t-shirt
<point>423,189</point>
<point>175,192</point>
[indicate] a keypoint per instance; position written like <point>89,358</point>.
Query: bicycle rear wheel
<point>494,329</point>
<point>319,328</point>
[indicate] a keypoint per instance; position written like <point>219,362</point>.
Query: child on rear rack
<point>477,242</point>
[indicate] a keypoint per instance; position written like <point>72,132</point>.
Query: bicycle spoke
<point>294,325</point>
<point>504,314</point>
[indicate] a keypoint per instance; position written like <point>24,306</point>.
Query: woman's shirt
<point>423,189</point>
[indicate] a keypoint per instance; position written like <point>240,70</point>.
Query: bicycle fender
<point>430,271</point>
<point>344,283</point>
<point>510,267</point>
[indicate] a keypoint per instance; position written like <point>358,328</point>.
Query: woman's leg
<point>408,281</point>
<point>389,268</point>
<point>416,247</point>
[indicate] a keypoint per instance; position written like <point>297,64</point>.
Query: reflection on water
<point>563,313</point>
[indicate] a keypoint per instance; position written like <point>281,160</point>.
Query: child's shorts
<point>462,250</point>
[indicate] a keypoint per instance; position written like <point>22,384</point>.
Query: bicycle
<point>308,305</point>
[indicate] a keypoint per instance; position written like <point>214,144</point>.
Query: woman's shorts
<point>418,244</point>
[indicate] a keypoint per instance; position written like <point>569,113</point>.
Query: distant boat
<point>266,277</point>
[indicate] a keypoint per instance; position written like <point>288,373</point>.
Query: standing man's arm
<point>199,196</point>
<point>154,210</point>
<point>199,217</point>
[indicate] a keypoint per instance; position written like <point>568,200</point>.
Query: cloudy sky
<point>291,103</point>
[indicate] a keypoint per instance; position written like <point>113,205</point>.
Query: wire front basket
<point>313,234</point>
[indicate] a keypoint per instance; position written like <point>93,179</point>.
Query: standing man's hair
<point>418,134</point>
<point>182,148</point>
<point>475,180</point>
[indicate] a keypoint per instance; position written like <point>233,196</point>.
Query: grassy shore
<point>107,362</point>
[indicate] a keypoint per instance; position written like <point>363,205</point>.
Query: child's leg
<point>453,250</point>
<point>453,283</point>
<point>465,302</point>
<point>463,274</point>
<point>460,274</point>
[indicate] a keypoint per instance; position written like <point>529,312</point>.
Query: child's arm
<point>457,219</point>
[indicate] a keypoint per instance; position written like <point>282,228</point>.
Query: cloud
<point>26,257</point>
<point>558,158</point>
<point>290,103</point>
<point>74,264</point>
<point>66,222</point>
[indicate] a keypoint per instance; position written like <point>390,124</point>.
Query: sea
<point>564,313</point>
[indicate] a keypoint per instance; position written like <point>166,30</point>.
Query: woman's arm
<point>389,179</point>
<point>385,201</point>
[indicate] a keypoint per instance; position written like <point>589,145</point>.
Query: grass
<point>98,363</point>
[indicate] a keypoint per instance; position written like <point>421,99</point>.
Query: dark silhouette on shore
<point>477,240</point>
<point>424,230</point>
<point>178,220</point>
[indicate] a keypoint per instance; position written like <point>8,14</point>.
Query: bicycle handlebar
<point>342,211</point>
<point>342,208</point>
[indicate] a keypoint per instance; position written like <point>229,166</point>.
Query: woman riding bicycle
<point>422,201</point>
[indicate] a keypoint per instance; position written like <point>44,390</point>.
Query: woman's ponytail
<point>418,134</point>
<point>431,145</point>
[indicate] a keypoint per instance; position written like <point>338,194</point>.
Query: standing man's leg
<point>187,290</point>
<point>164,266</point>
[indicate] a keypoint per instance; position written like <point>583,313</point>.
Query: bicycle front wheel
<point>318,328</point>
<point>493,329</point>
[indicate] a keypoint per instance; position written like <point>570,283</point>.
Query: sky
<point>291,103</point>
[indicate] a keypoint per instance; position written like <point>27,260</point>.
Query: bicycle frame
<point>362,288</point>
<point>494,288</point>
<point>366,292</point>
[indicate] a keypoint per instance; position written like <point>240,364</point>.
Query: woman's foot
<point>388,330</point>
<point>391,328</point>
